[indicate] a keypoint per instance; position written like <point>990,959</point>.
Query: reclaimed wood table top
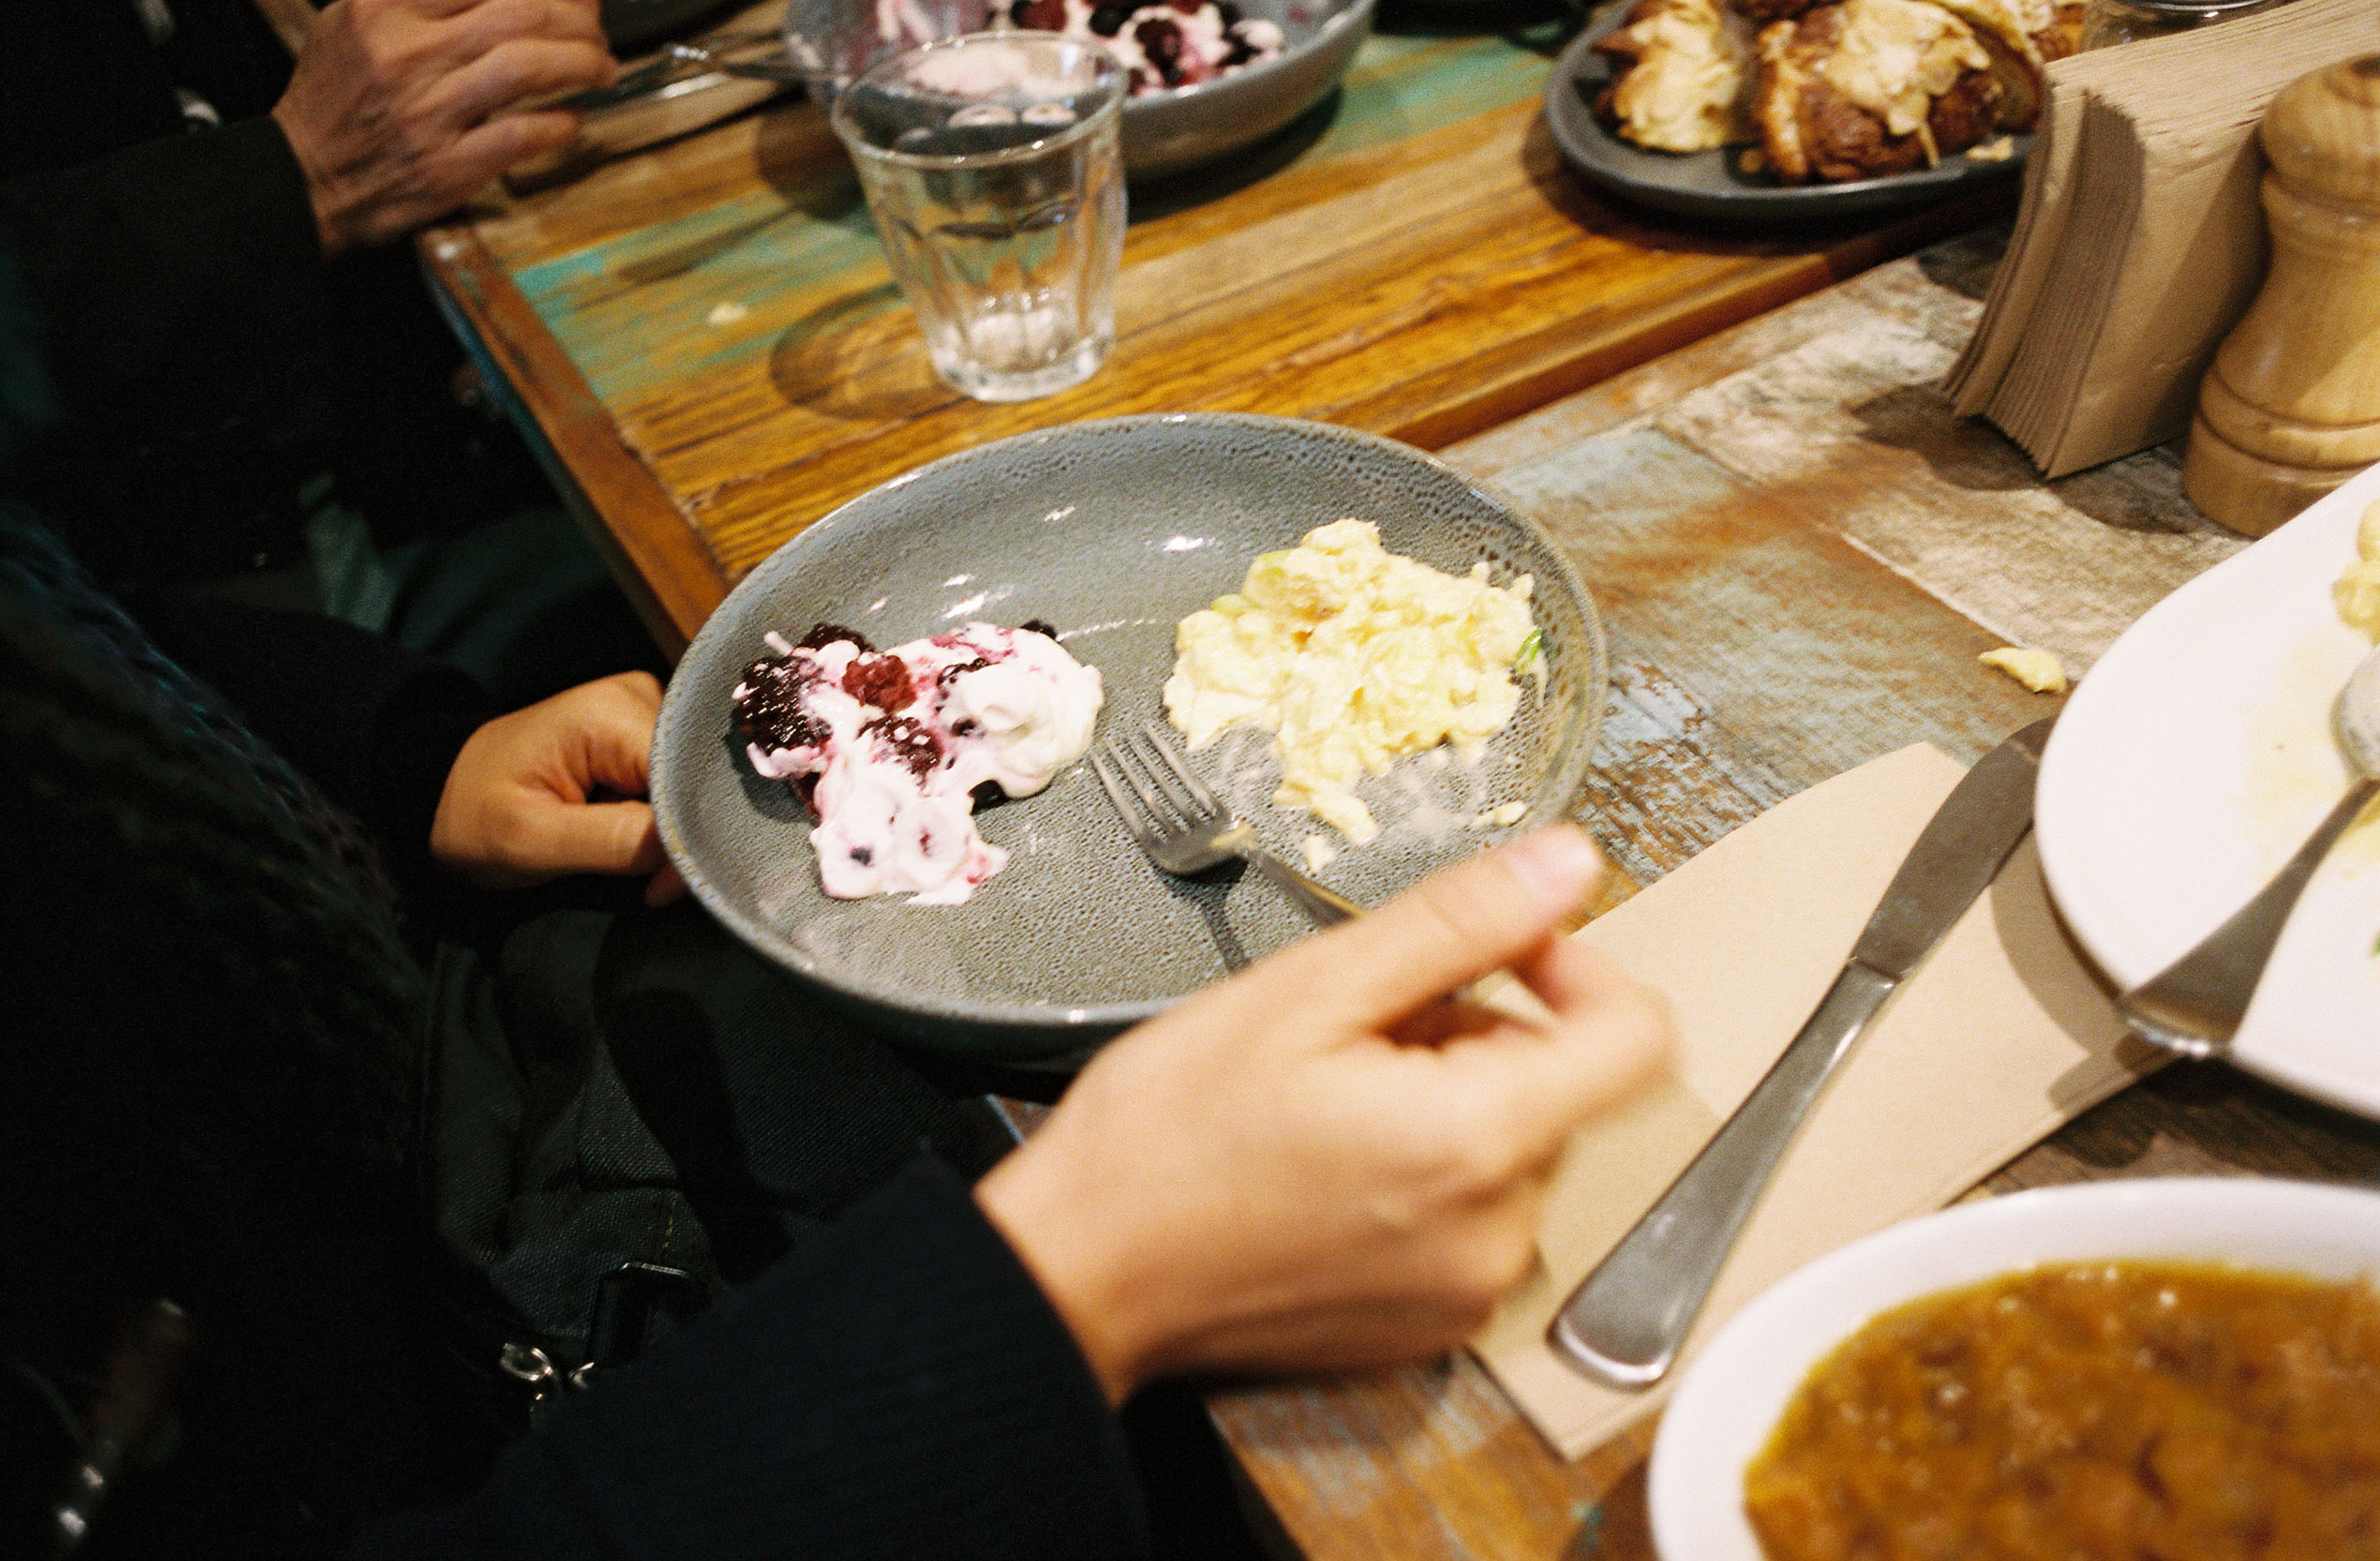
<point>706,335</point>
<point>1798,551</point>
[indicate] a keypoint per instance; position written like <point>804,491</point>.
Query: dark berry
<point>1049,15</point>
<point>823,635</point>
<point>881,681</point>
<point>913,744</point>
<point>985,793</point>
<point>771,714</point>
<point>1160,43</point>
<point>1230,13</point>
<point>1108,20</point>
<point>863,854</point>
<point>955,668</point>
<point>961,727</point>
<point>1040,626</point>
<point>1188,7</point>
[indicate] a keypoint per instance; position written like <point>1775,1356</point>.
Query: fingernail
<point>1560,861</point>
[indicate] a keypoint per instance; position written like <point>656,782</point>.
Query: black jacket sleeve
<point>375,726</point>
<point>185,317</point>
<point>898,1387</point>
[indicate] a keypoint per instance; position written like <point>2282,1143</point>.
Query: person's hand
<point>398,109</point>
<point>557,789</point>
<point>1322,1162</point>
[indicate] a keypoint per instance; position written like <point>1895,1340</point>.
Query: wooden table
<point>706,335</point>
<point>1799,553</point>
<point>1797,550</point>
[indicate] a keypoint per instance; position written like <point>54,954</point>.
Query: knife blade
<point>1623,1323</point>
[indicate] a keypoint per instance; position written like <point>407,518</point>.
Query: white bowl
<point>1732,1396</point>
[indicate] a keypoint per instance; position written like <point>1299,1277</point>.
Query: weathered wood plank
<point>1429,1462</point>
<point>1950,502</point>
<point>1904,291</point>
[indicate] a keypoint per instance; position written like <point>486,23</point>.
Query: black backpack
<point>629,1114</point>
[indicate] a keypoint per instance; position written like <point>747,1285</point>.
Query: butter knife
<point>1623,1323</point>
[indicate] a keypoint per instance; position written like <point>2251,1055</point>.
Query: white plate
<point>1730,1399</point>
<point>2192,762</point>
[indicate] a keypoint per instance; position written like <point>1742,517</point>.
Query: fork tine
<point>1135,820</point>
<point>1181,809</point>
<point>1207,801</point>
<point>1166,806</point>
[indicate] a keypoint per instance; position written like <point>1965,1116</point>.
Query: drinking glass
<point>994,173</point>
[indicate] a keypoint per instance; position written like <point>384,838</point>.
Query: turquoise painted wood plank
<point>713,289</point>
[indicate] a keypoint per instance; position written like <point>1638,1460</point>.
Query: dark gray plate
<point>1710,185</point>
<point>1112,531</point>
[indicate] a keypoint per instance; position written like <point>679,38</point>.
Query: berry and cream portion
<point>891,749</point>
<point>1168,44</point>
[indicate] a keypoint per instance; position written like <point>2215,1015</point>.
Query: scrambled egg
<point>2030,665</point>
<point>2358,590</point>
<point>1352,656</point>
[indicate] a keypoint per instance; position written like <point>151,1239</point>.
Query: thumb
<point>1451,928</point>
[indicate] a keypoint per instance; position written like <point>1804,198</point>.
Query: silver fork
<point>1185,828</point>
<point>2194,1006</point>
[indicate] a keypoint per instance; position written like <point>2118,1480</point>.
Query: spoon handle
<point>2196,1004</point>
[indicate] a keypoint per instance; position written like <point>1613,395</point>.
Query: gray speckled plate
<point>1112,531</point>
<point>1710,185</point>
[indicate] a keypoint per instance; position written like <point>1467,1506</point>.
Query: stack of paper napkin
<point>2141,241</point>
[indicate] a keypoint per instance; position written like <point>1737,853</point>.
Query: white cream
<point>1025,713</point>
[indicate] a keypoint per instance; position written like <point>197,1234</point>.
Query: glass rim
<point>1103,63</point>
<point>2190,8</point>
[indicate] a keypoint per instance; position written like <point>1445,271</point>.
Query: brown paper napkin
<point>1997,1039</point>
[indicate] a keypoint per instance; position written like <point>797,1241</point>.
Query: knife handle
<point>1623,1323</point>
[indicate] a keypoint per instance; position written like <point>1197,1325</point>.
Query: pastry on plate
<point>1861,88</point>
<point>2021,36</point>
<point>1685,81</point>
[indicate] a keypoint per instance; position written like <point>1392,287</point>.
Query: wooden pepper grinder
<point>2291,407</point>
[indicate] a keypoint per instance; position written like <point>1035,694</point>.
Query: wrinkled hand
<point>1321,1162</point>
<point>531,795</point>
<point>398,110</point>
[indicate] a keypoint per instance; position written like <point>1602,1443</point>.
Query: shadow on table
<point>857,358</point>
<point>2138,493</point>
